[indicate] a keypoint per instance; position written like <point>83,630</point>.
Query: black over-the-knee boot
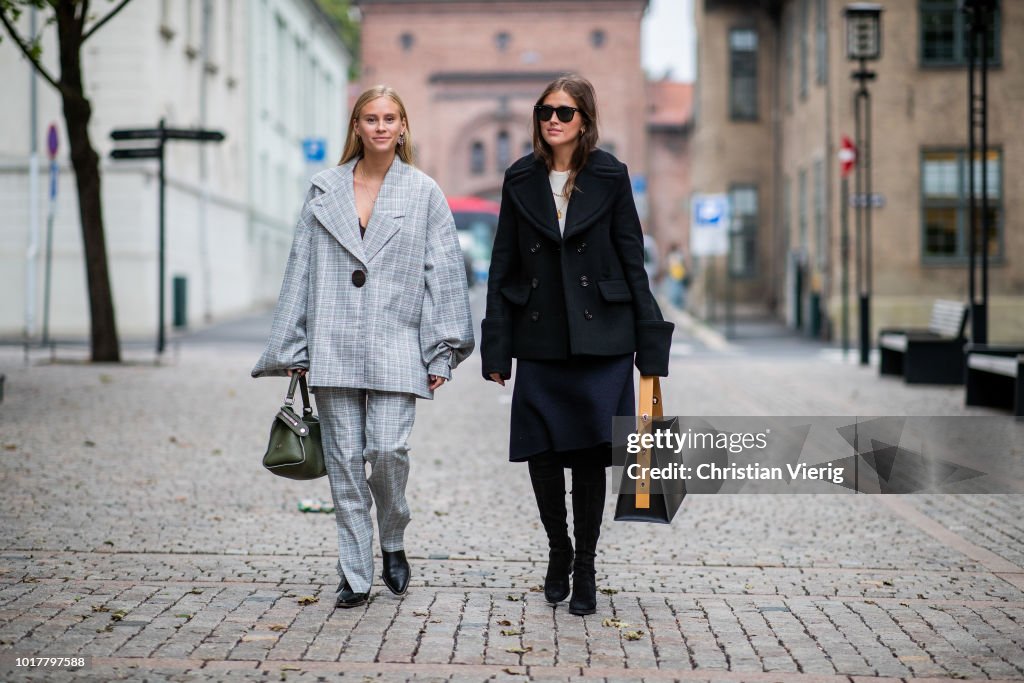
<point>548,479</point>
<point>588,490</point>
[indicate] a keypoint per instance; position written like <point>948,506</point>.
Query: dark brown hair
<point>582,91</point>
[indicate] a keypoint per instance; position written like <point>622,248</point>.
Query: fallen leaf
<point>278,627</point>
<point>100,608</point>
<point>435,621</point>
<point>10,446</point>
<point>511,632</point>
<point>196,591</point>
<point>537,589</point>
<point>216,451</point>
<point>614,623</point>
<point>609,591</point>
<point>512,598</point>
<point>633,635</point>
<point>421,614</point>
<point>504,622</point>
<point>118,615</point>
<point>513,672</point>
<point>519,650</point>
<point>90,444</point>
<point>439,513</point>
<point>183,616</point>
<point>308,600</point>
<point>748,586</point>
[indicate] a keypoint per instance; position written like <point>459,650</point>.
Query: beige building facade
<point>775,97</point>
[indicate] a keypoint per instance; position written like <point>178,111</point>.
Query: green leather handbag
<point>295,450</point>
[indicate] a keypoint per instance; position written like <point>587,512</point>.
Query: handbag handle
<point>650,407</point>
<point>289,399</point>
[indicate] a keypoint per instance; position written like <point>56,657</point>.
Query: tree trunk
<point>77,112</point>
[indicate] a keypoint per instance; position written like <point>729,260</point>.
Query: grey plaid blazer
<point>377,313</point>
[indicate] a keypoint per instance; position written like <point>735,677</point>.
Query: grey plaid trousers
<point>360,426</point>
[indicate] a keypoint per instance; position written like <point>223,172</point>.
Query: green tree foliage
<point>340,11</point>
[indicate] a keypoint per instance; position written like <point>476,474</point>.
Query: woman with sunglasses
<point>568,297</point>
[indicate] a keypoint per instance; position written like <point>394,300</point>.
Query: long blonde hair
<point>354,144</point>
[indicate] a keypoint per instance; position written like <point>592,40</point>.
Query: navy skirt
<point>565,407</point>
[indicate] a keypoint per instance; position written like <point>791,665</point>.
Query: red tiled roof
<point>670,103</point>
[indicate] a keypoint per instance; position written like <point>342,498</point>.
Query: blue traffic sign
<point>315,149</point>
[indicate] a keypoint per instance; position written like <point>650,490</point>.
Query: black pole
<point>844,255</point>
<point>861,206</point>
<point>981,320</point>
<point>160,341</point>
<point>865,344</point>
<point>729,293</point>
<point>972,218</point>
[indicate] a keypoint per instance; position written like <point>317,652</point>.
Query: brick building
<point>774,98</point>
<point>470,71</point>
<point>669,119</point>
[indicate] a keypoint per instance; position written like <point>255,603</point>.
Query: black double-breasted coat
<point>585,292</point>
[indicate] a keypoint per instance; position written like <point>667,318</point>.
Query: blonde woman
<point>374,307</point>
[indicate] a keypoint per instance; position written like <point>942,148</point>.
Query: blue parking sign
<point>709,225</point>
<point>315,149</point>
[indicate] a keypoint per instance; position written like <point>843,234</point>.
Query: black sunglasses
<point>544,112</point>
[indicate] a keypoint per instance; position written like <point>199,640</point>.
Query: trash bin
<point>180,301</point>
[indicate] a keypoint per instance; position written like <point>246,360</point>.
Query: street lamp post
<point>978,14</point>
<point>863,44</point>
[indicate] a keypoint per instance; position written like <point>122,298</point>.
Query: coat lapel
<point>336,210</point>
<point>595,188</point>
<point>385,220</point>
<point>530,191</point>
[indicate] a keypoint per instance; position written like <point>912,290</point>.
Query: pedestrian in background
<point>375,307</point>
<point>568,296</point>
<point>676,264</point>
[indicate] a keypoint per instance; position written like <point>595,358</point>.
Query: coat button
<point>588,315</point>
<point>584,281</point>
<point>535,316</point>
<point>534,283</point>
<point>581,248</point>
<point>535,248</point>
<point>358,278</point>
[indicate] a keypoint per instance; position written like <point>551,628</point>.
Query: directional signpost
<point>161,134</point>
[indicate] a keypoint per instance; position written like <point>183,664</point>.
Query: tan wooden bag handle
<point>650,408</point>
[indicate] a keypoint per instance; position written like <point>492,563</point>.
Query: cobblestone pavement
<point>140,532</point>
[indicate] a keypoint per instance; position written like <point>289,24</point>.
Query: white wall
<point>226,233</point>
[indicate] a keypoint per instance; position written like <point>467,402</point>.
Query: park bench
<point>934,355</point>
<point>994,376</point>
